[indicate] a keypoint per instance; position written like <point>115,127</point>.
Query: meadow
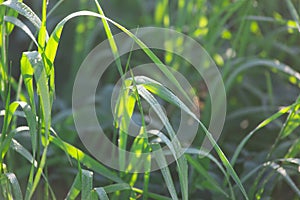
<point>255,47</point>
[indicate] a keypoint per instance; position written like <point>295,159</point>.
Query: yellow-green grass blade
<point>292,122</point>
<point>53,42</point>
<point>261,125</point>
<point>294,13</point>
<point>75,188</point>
<point>110,38</point>
<point>31,121</point>
<point>33,62</point>
<point>85,159</point>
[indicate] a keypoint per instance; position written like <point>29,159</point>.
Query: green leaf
<point>180,159</point>
<point>258,63</point>
<point>294,13</point>
<point>15,186</point>
<point>261,125</point>
<point>161,161</point>
<point>86,160</point>
<point>75,188</point>
<point>213,185</point>
<point>24,10</point>
<point>153,102</point>
<point>292,121</point>
<point>101,193</point>
<point>86,184</point>
<point>33,62</point>
<point>22,26</point>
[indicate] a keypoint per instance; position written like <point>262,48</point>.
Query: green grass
<point>254,44</point>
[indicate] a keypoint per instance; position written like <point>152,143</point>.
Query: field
<point>153,99</point>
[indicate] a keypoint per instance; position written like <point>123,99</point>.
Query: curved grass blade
<point>30,117</point>
<point>151,195</point>
<point>86,160</point>
<point>16,146</point>
<point>153,102</point>
<point>182,163</point>
<point>101,193</point>
<point>261,62</point>
<point>15,186</point>
<point>24,10</point>
<point>279,169</point>
<point>261,125</point>
<point>53,42</point>
<point>22,26</point>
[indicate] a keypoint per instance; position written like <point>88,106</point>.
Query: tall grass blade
<point>160,159</point>
<point>181,161</point>
<point>294,13</point>
<point>75,188</point>
<point>15,186</point>
<point>86,184</point>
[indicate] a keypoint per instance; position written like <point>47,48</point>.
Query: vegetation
<point>255,45</point>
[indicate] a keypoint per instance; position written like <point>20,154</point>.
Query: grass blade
<point>24,10</point>
<point>15,186</point>
<point>261,62</point>
<point>294,13</point>
<point>86,184</point>
<point>181,162</point>
<point>101,193</point>
<point>86,160</point>
<point>160,159</point>
<point>75,188</point>
<point>22,26</point>
<point>261,125</point>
